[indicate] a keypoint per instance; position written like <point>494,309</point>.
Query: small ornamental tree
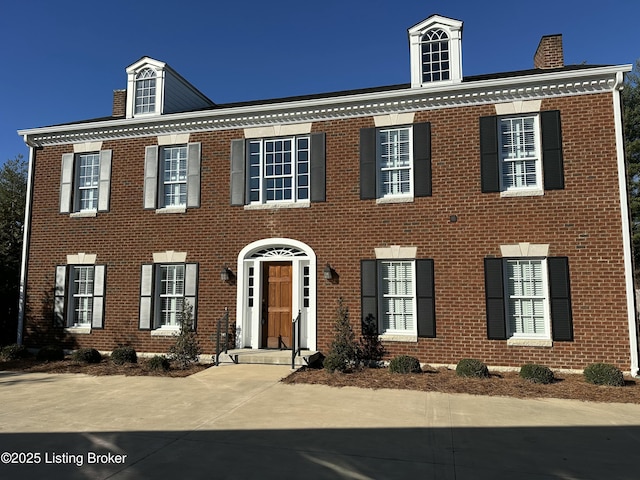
<point>372,351</point>
<point>345,352</point>
<point>185,350</point>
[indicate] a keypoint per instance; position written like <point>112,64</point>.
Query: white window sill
<point>78,330</point>
<point>402,199</point>
<point>395,337</point>
<point>277,205</point>
<point>530,342</point>
<point>177,209</point>
<point>165,332</point>
<point>523,192</point>
<point>84,214</point>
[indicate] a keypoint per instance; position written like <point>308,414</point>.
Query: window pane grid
<point>146,92</point>
<point>171,294</point>
<point>435,56</point>
<point>519,152</point>
<point>175,175</point>
<point>395,161</point>
<point>526,297</point>
<point>398,296</point>
<point>88,181</point>
<point>82,295</point>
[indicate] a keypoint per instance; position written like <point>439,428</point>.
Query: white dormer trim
<point>453,29</point>
<point>132,72</point>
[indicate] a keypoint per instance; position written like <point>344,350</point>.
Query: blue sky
<point>61,60</point>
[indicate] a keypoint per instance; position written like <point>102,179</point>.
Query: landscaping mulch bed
<point>105,367</point>
<point>508,384</point>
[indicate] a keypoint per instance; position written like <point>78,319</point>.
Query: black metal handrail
<point>224,320</point>
<point>295,339</point>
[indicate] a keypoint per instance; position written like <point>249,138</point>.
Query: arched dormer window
<point>435,49</point>
<point>435,56</point>
<point>145,91</point>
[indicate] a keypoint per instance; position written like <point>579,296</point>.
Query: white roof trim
<point>526,87</point>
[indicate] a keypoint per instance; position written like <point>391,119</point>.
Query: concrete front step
<point>268,357</point>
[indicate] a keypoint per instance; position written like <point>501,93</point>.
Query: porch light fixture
<point>330,274</point>
<point>226,275</point>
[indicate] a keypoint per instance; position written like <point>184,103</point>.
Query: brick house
<point>481,216</point>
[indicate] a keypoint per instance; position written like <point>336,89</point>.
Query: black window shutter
<point>422,160</point>
<point>560,293</point>
<point>317,168</point>
<point>367,163</point>
<point>552,160</point>
<point>238,165</point>
<point>489,160</point>
<point>494,292</point>
<point>369,295</point>
<point>425,294</point>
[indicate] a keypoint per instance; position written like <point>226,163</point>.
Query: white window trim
<point>531,191</point>
<point>395,334</point>
<point>393,197</point>
<point>132,72</point>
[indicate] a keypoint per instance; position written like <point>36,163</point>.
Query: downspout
<point>626,223</point>
<point>22,303</point>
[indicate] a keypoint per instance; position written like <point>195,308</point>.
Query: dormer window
<point>436,55</point>
<point>145,91</point>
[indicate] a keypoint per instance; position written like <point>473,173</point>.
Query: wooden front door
<point>277,319</point>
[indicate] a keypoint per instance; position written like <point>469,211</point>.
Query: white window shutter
<point>151,177</point>
<point>146,297</point>
<point>59,296</point>
<point>104,188</point>
<point>193,174</point>
<point>97,320</point>
<point>191,287</point>
<point>66,183</point>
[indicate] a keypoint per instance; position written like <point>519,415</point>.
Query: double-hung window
<point>85,182</point>
<point>395,162</point>
<point>167,290</point>
<point>521,154</point>
<point>398,298</point>
<point>278,171</point>
<point>172,177</point>
<point>528,298</point>
<point>79,296</point>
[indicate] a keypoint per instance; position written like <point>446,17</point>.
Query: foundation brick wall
<point>581,222</point>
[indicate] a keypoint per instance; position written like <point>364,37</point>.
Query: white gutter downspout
<point>25,245</point>
<point>626,224</point>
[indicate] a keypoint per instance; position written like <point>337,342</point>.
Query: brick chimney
<point>549,53</point>
<point>119,103</point>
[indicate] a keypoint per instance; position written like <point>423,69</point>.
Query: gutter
<point>626,224</point>
<point>25,246</point>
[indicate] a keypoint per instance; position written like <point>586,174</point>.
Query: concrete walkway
<point>239,422</point>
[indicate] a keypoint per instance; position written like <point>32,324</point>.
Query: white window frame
<point>436,37</point>
<point>385,328</point>
<point>260,171</point>
<point>171,289</point>
<point>92,189</point>
<point>146,87</point>
<point>542,296</point>
<point>509,150</point>
<point>176,185</point>
<point>81,299</point>
<point>383,169</point>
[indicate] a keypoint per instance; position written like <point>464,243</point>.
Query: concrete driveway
<point>239,422</point>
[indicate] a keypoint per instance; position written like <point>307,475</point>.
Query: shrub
<point>122,355</point>
<point>604,374</point>
<point>536,373</point>
<point>470,367</point>
<point>158,362</point>
<point>13,352</point>
<point>344,353</point>
<point>404,364</point>
<point>50,353</point>
<point>185,350</point>
<point>87,355</point>
<point>371,348</point>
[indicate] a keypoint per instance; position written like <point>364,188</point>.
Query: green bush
<point>186,349</point>
<point>122,355</point>
<point>50,353</point>
<point>13,352</point>
<point>158,362</point>
<point>536,373</point>
<point>404,364</point>
<point>470,367</point>
<point>87,355</point>
<point>604,374</point>
<point>344,353</point>
<point>334,361</point>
